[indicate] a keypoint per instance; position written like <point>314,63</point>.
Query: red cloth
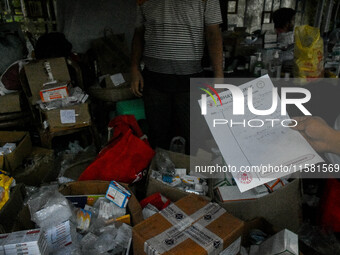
<point>126,155</point>
<point>330,206</point>
<point>157,200</point>
<point>11,79</point>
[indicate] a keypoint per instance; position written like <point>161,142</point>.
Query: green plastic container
<point>131,107</point>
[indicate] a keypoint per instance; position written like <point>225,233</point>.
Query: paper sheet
<point>269,145</point>
<point>117,79</point>
<point>67,116</point>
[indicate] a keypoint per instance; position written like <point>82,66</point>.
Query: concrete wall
<point>84,20</point>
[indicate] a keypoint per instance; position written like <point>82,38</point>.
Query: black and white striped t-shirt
<point>174,33</point>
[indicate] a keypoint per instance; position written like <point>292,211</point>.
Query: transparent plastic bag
<point>108,210</point>
<point>40,197</point>
<point>57,209</point>
<point>164,164</point>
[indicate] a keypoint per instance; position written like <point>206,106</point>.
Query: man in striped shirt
<point>170,37</point>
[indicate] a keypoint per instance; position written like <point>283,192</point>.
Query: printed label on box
<point>67,116</point>
<point>118,194</point>
<point>117,79</point>
<point>59,236</point>
<point>48,95</point>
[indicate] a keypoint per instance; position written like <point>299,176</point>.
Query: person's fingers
<point>134,88</point>
<point>300,123</point>
<point>138,93</point>
<point>141,83</point>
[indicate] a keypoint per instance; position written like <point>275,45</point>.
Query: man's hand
<point>137,83</point>
<point>319,134</point>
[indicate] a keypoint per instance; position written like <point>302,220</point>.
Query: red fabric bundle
<point>330,206</point>
<point>126,155</point>
<point>157,200</point>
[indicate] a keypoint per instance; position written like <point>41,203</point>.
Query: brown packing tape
<point>186,227</point>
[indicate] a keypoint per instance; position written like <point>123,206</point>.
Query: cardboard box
<point>281,208</point>
<point>100,187</point>
<point>37,75</point>
<point>23,142</point>
<point>10,103</point>
<point>38,171</point>
<point>192,225</point>
<point>174,194</point>
<point>75,116</point>
<point>232,193</point>
<point>10,210</point>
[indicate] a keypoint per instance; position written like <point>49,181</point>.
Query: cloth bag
<point>308,53</point>
<point>125,156</point>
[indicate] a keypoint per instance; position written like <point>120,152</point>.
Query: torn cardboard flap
<point>37,75</point>
<point>11,161</point>
<point>190,226</point>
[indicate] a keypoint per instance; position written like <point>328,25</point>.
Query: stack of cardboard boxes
<point>49,81</point>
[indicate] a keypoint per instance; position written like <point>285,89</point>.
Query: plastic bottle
<point>276,66</point>
<point>258,65</point>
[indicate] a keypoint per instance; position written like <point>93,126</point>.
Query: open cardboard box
<point>23,148</point>
<point>282,208</point>
<point>100,188</point>
<point>23,218</point>
<point>172,193</point>
<point>38,173</point>
<point>261,224</point>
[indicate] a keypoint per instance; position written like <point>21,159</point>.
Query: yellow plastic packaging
<point>308,53</point>
<point>5,183</point>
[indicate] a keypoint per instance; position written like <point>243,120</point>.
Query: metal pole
<point>318,19</point>
<point>328,17</point>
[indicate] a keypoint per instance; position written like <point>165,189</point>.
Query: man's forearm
<point>137,48</point>
<point>215,47</point>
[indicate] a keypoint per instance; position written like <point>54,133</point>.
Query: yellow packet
<point>5,183</point>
